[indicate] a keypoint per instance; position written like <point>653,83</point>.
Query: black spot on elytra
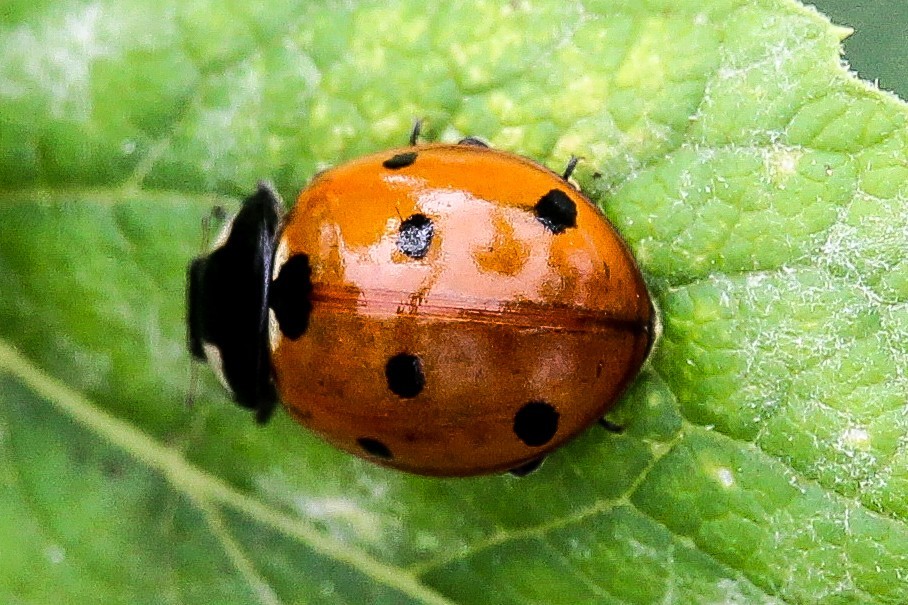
<point>400,160</point>
<point>374,447</point>
<point>416,236</point>
<point>536,423</point>
<point>290,296</point>
<point>405,376</point>
<point>556,211</point>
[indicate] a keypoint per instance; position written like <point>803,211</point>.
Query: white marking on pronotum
<point>281,255</point>
<point>224,233</point>
<point>216,361</point>
<point>274,330</point>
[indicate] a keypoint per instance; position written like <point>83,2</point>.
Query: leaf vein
<point>198,484</point>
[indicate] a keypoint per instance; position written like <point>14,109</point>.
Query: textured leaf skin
<point>763,189</point>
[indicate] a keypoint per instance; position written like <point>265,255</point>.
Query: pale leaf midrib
<point>200,485</point>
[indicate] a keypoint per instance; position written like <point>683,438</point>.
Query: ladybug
<point>444,309</point>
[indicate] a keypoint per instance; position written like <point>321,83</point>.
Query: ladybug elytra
<point>445,309</point>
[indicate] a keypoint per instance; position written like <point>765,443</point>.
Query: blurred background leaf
<point>877,50</point>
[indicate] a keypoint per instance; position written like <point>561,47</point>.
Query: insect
<point>445,309</point>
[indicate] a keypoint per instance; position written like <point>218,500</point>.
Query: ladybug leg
<point>414,133</point>
<point>569,169</point>
<point>473,141</point>
<point>527,467</point>
<point>611,426</point>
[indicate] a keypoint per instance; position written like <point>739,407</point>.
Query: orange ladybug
<point>444,309</point>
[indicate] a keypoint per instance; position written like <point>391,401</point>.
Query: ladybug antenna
<point>569,169</point>
<point>217,213</point>
<point>414,133</point>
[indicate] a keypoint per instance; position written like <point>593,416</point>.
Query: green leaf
<point>762,187</point>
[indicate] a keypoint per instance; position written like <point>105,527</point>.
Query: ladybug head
<point>228,303</point>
